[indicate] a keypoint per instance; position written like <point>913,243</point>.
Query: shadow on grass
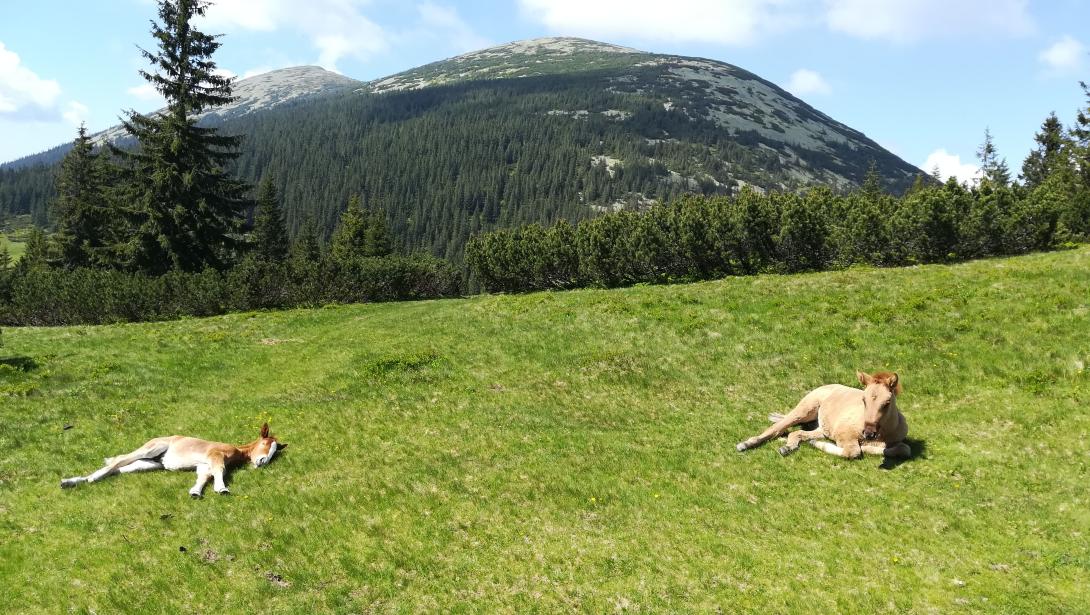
<point>919,447</point>
<point>23,364</point>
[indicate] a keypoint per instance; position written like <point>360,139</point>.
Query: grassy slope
<point>569,450</point>
<point>15,248</point>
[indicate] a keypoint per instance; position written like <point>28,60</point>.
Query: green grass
<point>568,451</point>
<point>15,248</point>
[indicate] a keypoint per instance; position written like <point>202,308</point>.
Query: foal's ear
<point>864,378</point>
<point>894,383</point>
<point>265,430</point>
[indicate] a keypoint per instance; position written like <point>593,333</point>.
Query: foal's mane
<point>886,377</point>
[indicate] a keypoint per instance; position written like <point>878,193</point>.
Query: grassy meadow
<point>15,248</point>
<point>567,452</point>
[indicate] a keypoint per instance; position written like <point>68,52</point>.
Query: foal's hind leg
<point>141,465</point>
<point>152,449</point>
<point>806,411</point>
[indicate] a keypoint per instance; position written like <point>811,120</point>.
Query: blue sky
<point>924,78</point>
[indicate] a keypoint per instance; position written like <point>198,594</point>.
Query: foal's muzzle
<point>870,431</point>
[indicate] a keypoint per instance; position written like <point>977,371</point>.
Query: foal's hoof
<point>786,450</point>
<point>741,447</point>
<point>195,495</point>
<point>224,492</point>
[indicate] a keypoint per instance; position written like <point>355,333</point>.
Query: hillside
<point>568,452</point>
<point>530,131</point>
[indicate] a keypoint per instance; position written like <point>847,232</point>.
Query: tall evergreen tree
<point>81,208</point>
<point>1080,132</point>
<point>350,239</point>
<point>1049,154</point>
<point>270,235</point>
<point>185,208</point>
<point>37,252</point>
<point>5,257</point>
<point>377,241</point>
<point>308,246</point>
<point>992,168</point>
<point>872,182</point>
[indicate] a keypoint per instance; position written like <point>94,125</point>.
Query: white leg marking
<point>874,449</point>
<point>142,465</point>
<point>217,482</point>
<point>67,483</point>
<point>99,474</point>
<point>203,474</point>
<point>826,446</point>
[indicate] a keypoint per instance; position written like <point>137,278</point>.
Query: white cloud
<point>1064,56</point>
<point>257,70</point>
<point>741,22</point>
<point>75,113</point>
<point>22,92</point>
<point>805,81</point>
<point>257,15</point>
<point>950,165</point>
<point>145,92</point>
<point>337,29</point>
<point>910,20</point>
<point>728,22</point>
<point>444,21</point>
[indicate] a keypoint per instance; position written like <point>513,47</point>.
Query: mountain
<point>530,131</point>
<point>252,95</point>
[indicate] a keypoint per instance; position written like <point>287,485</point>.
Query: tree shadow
<point>919,448</point>
<point>23,364</point>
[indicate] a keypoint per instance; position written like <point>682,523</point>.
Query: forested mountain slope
<point>530,131</point>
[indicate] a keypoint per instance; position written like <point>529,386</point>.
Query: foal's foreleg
<point>204,472</point>
<point>899,450</point>
<point>848,450</point>
<point>796,438</point>
<point>804,412</point>
<point>217,466</point>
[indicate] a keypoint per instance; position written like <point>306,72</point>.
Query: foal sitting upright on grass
<point>858,422</point>
<point>209,459</point>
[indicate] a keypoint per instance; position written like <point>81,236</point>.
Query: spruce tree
<point>1080,133</point>
<point>81,208</point>
<point>377,236</point>
<point>270,234</point>
<point>350,238</point>
<point>308,246</point>
<point>5,257</point>
<point>185,209</point>
<point>872,183</point>
<point>37,250</point>
<point>992,168</point>
<point>1048,156</point>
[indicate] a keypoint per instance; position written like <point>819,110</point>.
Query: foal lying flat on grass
<point>209,459</point>
<point>866,421</point>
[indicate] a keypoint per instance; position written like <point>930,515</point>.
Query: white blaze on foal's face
<point>264,452</point>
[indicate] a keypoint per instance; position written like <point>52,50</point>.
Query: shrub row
<point>43,296</point>
<point>698,237</point>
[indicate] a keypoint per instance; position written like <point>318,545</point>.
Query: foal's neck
<point>242,452</point>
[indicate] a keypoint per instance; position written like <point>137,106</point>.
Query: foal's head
<point>879,394</point>
<point>263,449</point>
